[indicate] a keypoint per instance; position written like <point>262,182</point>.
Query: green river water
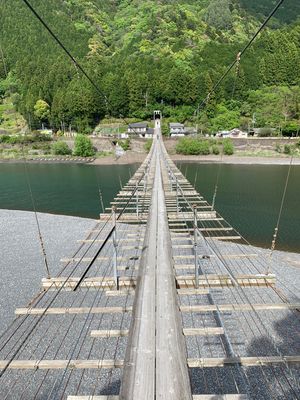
<point>248,196</point>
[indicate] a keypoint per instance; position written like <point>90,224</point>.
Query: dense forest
<point>152,54</point>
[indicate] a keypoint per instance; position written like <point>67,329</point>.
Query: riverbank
<point>131,157</point>
<point>271,151</point>
<point>22,266</point>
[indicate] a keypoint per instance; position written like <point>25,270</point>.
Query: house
<point>141,129</point>
<point>190,130</point>
<point>234,133</point>
<point>176,129</point>
<point>237,133</point>
<point>223,134</point>
<point>149,133</point>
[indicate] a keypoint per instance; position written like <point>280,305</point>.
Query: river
<point>248,196</point>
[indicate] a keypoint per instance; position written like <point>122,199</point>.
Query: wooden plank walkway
<point>138,294</point>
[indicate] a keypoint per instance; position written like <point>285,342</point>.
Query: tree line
<point>148,55</point>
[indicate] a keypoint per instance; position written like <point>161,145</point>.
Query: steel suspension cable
<point>72,58</point>
<point>240,54</point>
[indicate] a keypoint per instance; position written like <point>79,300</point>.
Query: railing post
<point>177,197</point>
<point>145,179</point>
<point>137,200</point>
<point>101,200</point>
<point>115,245</point>
<point>170,178</point>
<point>195,247</point>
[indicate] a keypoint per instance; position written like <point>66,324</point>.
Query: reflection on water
<point>248,195</point>
<point>70,189</point>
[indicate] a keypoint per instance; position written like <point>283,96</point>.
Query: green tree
<point>225,119</point>
<point>42,110</point>
<point>219,15</point>
<point>61,148</point>
<point>83,147</point>
<point>228,148</point>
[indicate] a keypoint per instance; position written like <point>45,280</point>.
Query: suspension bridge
<point>163,299</point>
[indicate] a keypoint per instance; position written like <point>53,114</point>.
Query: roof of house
<point>150,130</point>
<point>176,125</point>
<point>138,125</point>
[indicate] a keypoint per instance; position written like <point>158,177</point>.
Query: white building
<point>176,129</point>
<point>141,129</point>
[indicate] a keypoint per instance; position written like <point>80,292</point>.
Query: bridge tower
<point>157,115</point>
<point>157,119</point>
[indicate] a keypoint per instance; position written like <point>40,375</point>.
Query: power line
<point>55,37</point>
<point>239,55</point>
<point>73,59</point>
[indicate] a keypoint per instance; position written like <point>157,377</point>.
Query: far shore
<point>132,157</point>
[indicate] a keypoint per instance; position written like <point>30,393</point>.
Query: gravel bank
<point>21,262</point>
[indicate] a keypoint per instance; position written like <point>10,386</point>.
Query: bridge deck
<point>191,314</point>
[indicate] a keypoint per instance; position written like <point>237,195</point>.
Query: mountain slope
<point>142,54</point>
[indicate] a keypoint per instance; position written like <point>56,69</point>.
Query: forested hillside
<point>149,54</point>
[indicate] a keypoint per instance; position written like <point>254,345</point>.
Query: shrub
<point>4,139</point>
<point>228,147</point>
<point>83,147</point>
<point>215,149</point>
<point>291,128</point>
<point>61,148</point>
<point>265,132</point>
<point>190,146</point>
<point>19,139</point>
<point>125,144</point>
<point>147,145</point>
<point>287,149</point>
<point>278,148</point>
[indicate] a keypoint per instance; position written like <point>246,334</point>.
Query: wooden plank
<point>220,397</point>
<point>93,398</point>
<point>242,255</point>
<point>119,293</point>
<point>121,240</point>
<point>90,283</point>
<point>187,230</point>
<point>61,364</point>
<point>224,237</point>
<point>246,361</point>
<point>127,217</point>
<point>184,256</point>
<point>223,229</point>
<point>109,333</point>
<point>239,307</point>
<point>173,208</point>
<point>115,203</point>
<point>71,310</point>
<point>100,258</point>
<point>203,331</point>
<point>211,280</point>
<point>186,216</point>
<point>191,292</point>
